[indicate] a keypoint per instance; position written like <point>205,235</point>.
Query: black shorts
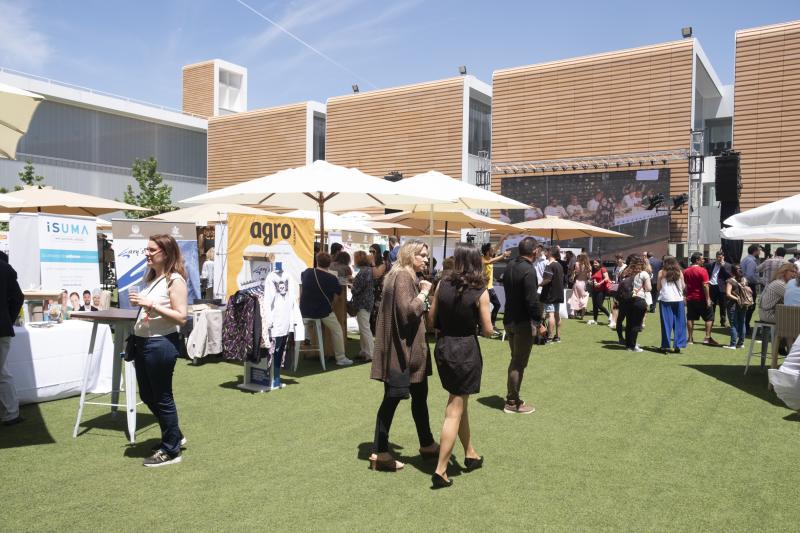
<point>696,310</point>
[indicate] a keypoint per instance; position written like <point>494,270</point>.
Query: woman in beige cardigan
<point>402,359</point>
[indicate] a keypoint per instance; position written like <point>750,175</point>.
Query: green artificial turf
<point>619,441</point>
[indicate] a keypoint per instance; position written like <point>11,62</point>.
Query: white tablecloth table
<point>47,363</point>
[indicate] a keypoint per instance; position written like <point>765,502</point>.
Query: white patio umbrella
<point>101,222</point>
<point>460,195</point>
<point>58,202</point>
<point>432,221</point>
<point>331,221</point>
<point>16,110</point>
<point>557,228</point>
<point>773,222</point>
<point>321,186</point>
<point>205,214</point>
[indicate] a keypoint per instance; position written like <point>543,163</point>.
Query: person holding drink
<point>163,309</point>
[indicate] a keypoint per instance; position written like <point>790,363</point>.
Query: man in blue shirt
<point>750,270</point>
<point>317,291</point>
<point>394,248</point>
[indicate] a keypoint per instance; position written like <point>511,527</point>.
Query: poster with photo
<point>68,253</point>
<point>130,242</point>
<point>616,200</point>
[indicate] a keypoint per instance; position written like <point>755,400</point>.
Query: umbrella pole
<point>444,251</point>
<point>430,231</point>
<point>321,223</point>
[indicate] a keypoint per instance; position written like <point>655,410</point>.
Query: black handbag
<point>130,349</point>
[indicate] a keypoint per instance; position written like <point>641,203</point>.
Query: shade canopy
<point>205,214</point>
<point>460,195</point>
<point>782,212</point>
<point>453,219</point>
<point>100,222</point>
<point>319,185</point>
<point>556,228</point>
<point>774,233</point>
<point>332,221</point>
<point>58,202</point>
<point>16,110</point>
<point>773,222</point>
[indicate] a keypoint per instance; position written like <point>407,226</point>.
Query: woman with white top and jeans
<point>163,309</point>
<point>634,309</point>
<point>672,306</point>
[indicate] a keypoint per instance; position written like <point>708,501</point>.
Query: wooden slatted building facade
<point>629,101</point>
<point>766,127</point>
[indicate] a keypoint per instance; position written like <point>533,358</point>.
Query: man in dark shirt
<point>87,302</point>
<point>11,299</point>
<point>718,273</point>
<point>655,265</point>
<point>552,294</point>
<point>317,291</point>
<point>522,320</point>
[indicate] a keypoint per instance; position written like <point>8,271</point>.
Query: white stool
<point>298,349</point>
<point>759,327</point>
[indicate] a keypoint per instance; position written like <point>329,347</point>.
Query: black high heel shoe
<point>439,482</point>
<point>471,463</point>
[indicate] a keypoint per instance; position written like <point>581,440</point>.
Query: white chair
<point>759,327</point>
<point>319,347</point>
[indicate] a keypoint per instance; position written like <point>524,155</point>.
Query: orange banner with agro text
<point>260,244</point>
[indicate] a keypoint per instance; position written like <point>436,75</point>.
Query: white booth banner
<point>68,253</point>
<point>130,242</point>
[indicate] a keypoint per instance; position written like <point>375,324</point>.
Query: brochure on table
<point>130,242</point>
<point>54,252</point>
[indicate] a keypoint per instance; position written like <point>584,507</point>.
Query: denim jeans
<point>155,364</point>
<point>737,317</point>
<point>673,324</point>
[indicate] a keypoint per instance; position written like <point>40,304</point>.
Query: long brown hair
<point>672,269</point>
<point>467,270</point>
<point>173,260</point>
<point>635,265</point>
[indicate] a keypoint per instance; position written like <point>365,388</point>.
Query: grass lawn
<point>619,441</point>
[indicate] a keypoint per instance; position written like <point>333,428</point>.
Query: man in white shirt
<point>594,203</point>
<point>539,263</point>
<point>574,209</point>
<point>554,209</point>
<point>207,275</point>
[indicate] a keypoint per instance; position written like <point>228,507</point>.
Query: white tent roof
<point>461,195</point>
<point>773,222</point>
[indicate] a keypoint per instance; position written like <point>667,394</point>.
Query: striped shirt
<point>770,298</point>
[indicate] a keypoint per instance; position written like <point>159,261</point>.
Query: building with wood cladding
<point>214,88</point>
<point>583,120</point>
<point>242,144</point>
<point>766,128</point>
<point>441,125</point>
<point>251,144</point>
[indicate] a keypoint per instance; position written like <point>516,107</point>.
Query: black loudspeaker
<point>728,179</point>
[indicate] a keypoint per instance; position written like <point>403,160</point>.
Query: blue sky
<point>136,48</point>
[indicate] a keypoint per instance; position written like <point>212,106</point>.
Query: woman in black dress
<point>460,304</point>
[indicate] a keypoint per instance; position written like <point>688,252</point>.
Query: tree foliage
<point>154,195</point>
<point>29,177</point>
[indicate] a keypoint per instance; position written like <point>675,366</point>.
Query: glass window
<point>480,126</point>
<point>230,85</point>
<point>719,132</point>
<point>319,138</point>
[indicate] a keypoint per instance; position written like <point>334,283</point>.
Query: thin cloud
<point>299,15</point>
<point>21,45</point>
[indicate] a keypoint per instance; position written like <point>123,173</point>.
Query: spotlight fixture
<point>679,201</point>
<point>462,70</point>
<point>355,87</point>
<point>686,32</point>
<point>654,202</point>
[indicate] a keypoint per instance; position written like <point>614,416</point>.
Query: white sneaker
<point>344,361</point>
<point>591,323</point>
<point>612,325</point>
<point>637,350</point>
